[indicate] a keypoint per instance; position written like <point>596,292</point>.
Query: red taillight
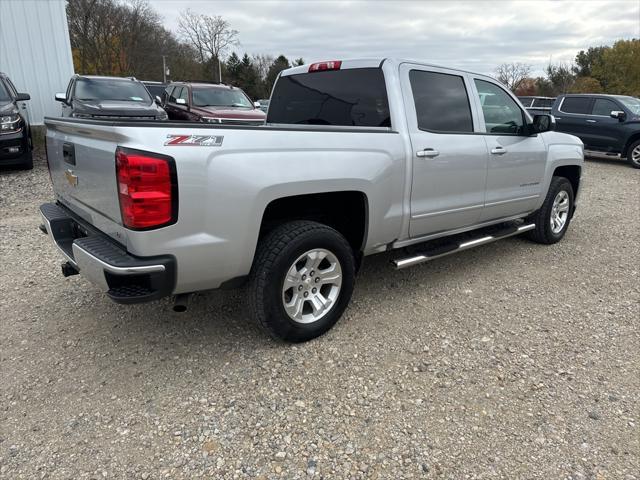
<point>323,66</point>
<point>147,189</point>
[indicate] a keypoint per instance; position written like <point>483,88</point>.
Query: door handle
<point>428,153</point>
<point>498,151</point>
<point>591,121</point>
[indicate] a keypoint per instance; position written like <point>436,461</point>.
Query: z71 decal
<point>194,140</point>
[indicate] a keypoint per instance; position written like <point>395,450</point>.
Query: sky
<point>472,35</point>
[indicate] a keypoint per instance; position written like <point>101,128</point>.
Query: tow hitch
<point>68,269</point>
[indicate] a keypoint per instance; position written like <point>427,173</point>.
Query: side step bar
<point>459,247</point>
<point>607,155</point>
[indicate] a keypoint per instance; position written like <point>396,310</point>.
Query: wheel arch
<point>630,141</point>
<point>347,211</point>
<point>571,173</point>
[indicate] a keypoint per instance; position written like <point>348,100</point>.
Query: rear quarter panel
<point>224,191</point>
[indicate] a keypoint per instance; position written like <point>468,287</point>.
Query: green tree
<point>619,71</point>
<point>233,69</point>
<point>585,61</point>
<point>561,77</point>
<point>586,85</point>
<point>279,64</point>
<point>250,78</point>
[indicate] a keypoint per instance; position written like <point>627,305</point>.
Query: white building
<point>35,52</point>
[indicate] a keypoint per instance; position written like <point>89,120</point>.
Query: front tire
<point>301,280</point>
<point>553,218</point>
<point>633,155</point>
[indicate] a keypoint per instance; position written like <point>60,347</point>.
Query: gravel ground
<point>513,360</point>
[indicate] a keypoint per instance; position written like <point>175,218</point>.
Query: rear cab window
<point>354,97</point>
<point>576,105</point>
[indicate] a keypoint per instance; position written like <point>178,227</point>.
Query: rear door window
<point>604,107</point>
<point>576,105</point>
<point>351,97</point>
<point>442,103</point>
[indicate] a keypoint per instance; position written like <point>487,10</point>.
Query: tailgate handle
<point>69,153</point>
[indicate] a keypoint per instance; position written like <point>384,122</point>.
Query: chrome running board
<point>596,154</point>
<point>439,252</point>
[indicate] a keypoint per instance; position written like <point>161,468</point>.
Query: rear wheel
<point>633,155</point>
<point>301,280</point>
<point>553,218</point>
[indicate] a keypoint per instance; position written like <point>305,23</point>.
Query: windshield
<point>631,103</point>
<point>218,97</point>
<point>111,89</point>
<point>4,95</point>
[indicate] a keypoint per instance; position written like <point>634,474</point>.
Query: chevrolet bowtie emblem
<point>71,178</point>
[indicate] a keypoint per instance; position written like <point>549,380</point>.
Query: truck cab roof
<point>373,62</point>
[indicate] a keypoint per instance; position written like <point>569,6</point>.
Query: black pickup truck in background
<point>608,125</point>
<point>537,105</point>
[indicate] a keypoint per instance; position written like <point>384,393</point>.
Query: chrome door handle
<point>428,153</point>
<point>498,151</point>
<point>591,121</point>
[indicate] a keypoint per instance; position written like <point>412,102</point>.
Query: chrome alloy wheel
<point>559,212</point>
<point>312,285</point>
<point>635,155</point>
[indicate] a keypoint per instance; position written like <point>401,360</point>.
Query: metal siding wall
<point>35,52</point>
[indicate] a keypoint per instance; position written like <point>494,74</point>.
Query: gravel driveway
<point>513,360</point>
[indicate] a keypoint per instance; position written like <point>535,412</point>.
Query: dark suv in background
<point>212,103</point>
<point>109,98</point>
<point>608,125</point>
<point>15,131</point>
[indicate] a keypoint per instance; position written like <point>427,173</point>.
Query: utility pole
<point>164,69</point>
<point>219,70</point>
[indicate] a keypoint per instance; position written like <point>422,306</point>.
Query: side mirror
<point>619,114</point>
<point>61,97</point>
<point>543,123</point>
<point>23,97</point>
<point>181,101</point>
<point>256,104</point>
<point>158,100</point>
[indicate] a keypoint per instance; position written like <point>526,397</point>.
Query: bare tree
<point>512,74</point>
<point>211,36</point>
<point>191,31</point>
<point>263,63</point>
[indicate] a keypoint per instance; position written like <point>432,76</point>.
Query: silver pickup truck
<point>357,157</point>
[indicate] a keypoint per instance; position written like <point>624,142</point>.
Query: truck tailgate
<point>82,165</point>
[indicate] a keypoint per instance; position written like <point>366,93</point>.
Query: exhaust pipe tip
<point>181,302</point>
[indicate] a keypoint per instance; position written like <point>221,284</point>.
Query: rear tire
<point>633,155</point>
<point>553,218</point>
<point>301,280</point>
